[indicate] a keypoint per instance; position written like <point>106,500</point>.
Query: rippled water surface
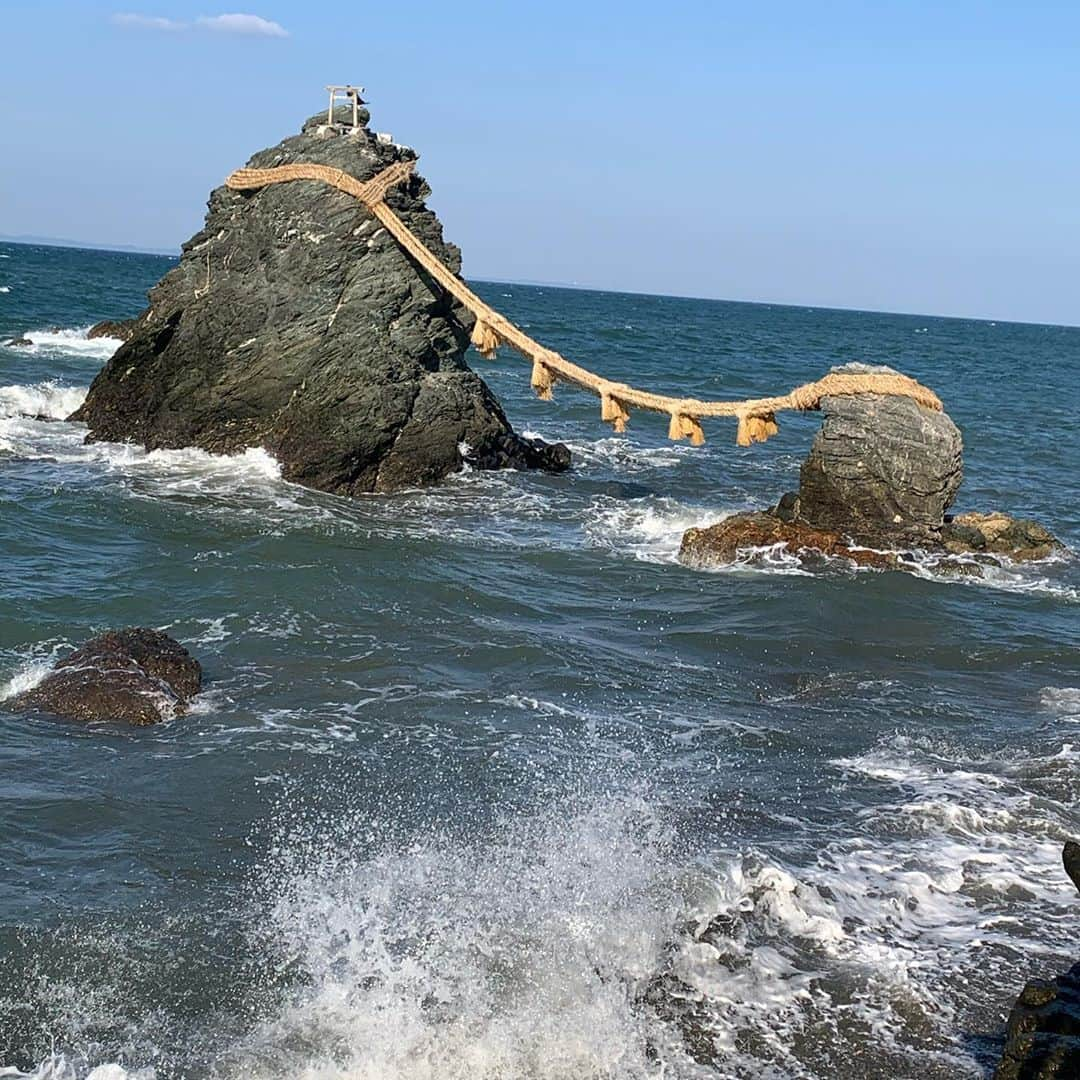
<point>483,783</point>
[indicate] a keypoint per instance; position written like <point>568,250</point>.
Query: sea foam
<point>47,399</point>
<point>73,341</point>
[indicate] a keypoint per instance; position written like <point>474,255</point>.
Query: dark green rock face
<point>295,323</point>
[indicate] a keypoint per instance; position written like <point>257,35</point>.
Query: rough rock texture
<point>294,322</point>
<point>880,466</point>
<point>1044,1031</point>
<point>880,476</point>
<point>1018,538</point>
<point>1043,1040</point>
<point>722,543</point>
<point>135,676</point>
<point>121,329</point>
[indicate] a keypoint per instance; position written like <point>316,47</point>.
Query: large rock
<point>881,466</point>
<point>295,323</point>
<point>881,474</point>
<point>135,676</point>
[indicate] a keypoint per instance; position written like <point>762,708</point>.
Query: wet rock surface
<point>1018,538</point>
<point>1043,1035</point>
<point>120,329</point>
<point>728,540</point>
<point>295,323</point>
<point>135,676</point>
<point>875,488</point>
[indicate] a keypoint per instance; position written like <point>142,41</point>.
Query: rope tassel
<point>754,429</point>
<point>614,412</point>
<point>542,380</point>
<point>484,339</point>
<point>685,427</point>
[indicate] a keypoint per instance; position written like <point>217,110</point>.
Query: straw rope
<point>756,416</point>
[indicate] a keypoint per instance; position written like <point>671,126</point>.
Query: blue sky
<point>894,156</point>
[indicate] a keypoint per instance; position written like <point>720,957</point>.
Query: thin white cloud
<point>254,25</point>
<point>148,22</point>
<point>251,25</point>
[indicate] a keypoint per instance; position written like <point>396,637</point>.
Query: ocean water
<point>483,784</point>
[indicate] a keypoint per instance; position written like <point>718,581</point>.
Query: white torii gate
<point>349,93</point>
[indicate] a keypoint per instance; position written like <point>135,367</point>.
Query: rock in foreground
<point>1044,1026</point>
<point>1044,1031</point>
<point>135,676</point>
<point>295,323</point>
<point>881,474</point>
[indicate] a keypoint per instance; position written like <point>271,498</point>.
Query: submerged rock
<point>881,474</point>
<point>295,323</point>
<point>722,543</point>
<point>136,676</point>
<point>121,329</point>
<point>1043,1040</point>
<point>19,343</point>
<point>1020,539</point>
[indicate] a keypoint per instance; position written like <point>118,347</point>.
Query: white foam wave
<point>73,341</point>
<point>1001,573</point>
<point>624,455</point>
<point>649,529</point>
<point>508,957</point>
<point>558,947</point>
<point>184,469</point>
<point>577,942</point>
<point>899,932</point>
<point>60,1067</point>
<point>26,678</point>
<point>5,288</point>
<point>44,399</point>
<point>1062,700</point>
<point>768,559</point>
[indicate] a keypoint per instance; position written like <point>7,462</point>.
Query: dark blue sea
<point>483,783</point>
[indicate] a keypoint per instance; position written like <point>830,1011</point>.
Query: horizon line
<point>25,240</point>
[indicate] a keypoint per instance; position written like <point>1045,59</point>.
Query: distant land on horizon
<point>128,249</point>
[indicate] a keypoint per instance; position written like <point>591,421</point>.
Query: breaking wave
<point>587,940</point>
<point>47,400</point>
<point>649,529</point>
<point>72,341</point>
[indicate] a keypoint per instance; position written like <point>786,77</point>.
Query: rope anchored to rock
<point>756,416</point>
